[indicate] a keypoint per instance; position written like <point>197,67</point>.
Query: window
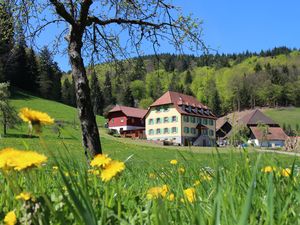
<point>193,119</point>
<point>174,130</point>
<point>165,108</point>
<point>186,119</point>
<point>112,120</point>
<point>211,133</point>
<point>158,120</point>
<point>204,131</point>
<point>150,121</point>
<point>186,130</point>
<point>211,122</point>
<point>122,120</point>
<point>166,130</point>
<point>199,120</point>
<point>132,120</point>
<point>157,131</point>
<point>193,131</point>
<point>174,118</point>
<point>204,121</point>
<point>151,132</point>
<point>166,119</point>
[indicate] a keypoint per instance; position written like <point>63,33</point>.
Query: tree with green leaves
<point>96,27</point>
<point>8,114</point>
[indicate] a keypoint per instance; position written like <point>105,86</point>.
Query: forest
<point>225,82</point>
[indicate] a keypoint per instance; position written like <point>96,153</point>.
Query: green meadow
<point>230,186</point>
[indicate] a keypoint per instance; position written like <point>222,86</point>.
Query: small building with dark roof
<point>264,132</point>
<point>127,121</point>
<point>180,119</point>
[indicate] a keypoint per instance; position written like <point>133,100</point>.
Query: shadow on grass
<point>20,94</point>
<point>20,136</point>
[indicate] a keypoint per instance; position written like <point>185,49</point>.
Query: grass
<point>232,190</point>
<point>287,116</point>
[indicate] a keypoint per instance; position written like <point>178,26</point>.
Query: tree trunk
<point>90,133</point>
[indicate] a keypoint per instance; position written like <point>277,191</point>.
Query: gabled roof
<point>274,133</point>
<point>179,100</point>
<point>255,117</point>
<point>129,111</point>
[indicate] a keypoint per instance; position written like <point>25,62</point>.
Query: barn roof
<point>129,111</point>
<point>255,117</point>
<point>274,133</point>
<point>191,103</point>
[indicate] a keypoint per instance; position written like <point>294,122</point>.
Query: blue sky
<point>235,25</point>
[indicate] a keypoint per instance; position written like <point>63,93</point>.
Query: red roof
<point>179,100</point>
<point>256,117</point>
<point>129,111</point>
<point>274,133</point>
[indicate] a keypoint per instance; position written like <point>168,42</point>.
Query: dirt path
<point>279,152</point>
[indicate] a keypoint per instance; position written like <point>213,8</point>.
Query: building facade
<point>123,118</point>
<point>180,119</point>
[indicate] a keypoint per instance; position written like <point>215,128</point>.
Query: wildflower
<point>111,170</point>
<point>67,174</point>
<point>156,192</point>
<point>171,197</point>
<point>55,167</point>
<point>35,117</point>
<point>173,161</point>
<point>10,218</point>
<point>100,161</point>
<point>24,196</point>
<point>19,160</point>
<point>152,176</point>
<point>197,183</point>
<point>181,170</point>
<point>190,194</point>
<point>268,169</point>
<point>286,172</point>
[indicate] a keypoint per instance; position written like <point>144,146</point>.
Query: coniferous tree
<point>139,71</point>
<point>33,71</point>
<point>96,95</point>
<point>6,39</point>
<point>66,92</point>
<point>107,90</point>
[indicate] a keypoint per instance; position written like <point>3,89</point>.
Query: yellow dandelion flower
<point>268,169</point>
<point>181,170</point>
<point>35,117</point>
<point>10,218</point>
<point>100,161</point>
<point>197,183</point>
<point>24,196</point>
<point>157,192</point>
<point>111,170</point>
<point>286,172</point>
<point>190,194</point>
<point>173,161</point>
<point>171,197</point>
<point>19,160</point>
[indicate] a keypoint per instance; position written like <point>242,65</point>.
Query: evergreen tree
<point>139,71</point>
<point>6,39</point>
<point>107,90</point>
<point>96,95</point>
<point>33,71</point>
<point>49,77</point>
<point>127,98</point>
<point>65,92</point>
